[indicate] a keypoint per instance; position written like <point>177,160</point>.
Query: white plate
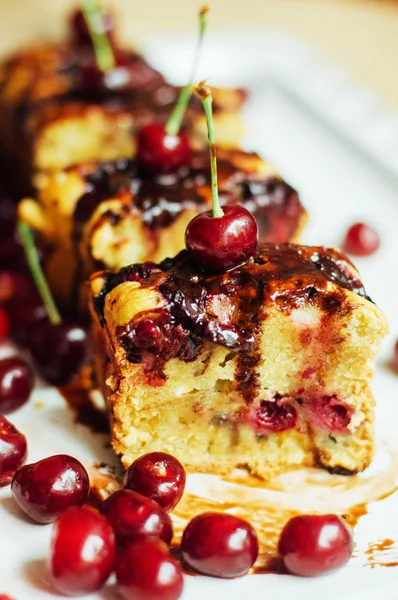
<point>338,146</point>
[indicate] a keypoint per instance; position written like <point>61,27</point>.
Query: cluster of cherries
<point>130,532</point>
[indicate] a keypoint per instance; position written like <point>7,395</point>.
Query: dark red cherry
<point>45,489</point>
<point>59,351</point>
<point>4,324</point>
<point>361,240</point>
<point>27,314</point>
<point>158,476</point>
<point>310,545</point>
<point>275,416</point>
<point>222,243</point>
<point>14,285</point>
<point>219,545</point>
<point>16,383</point>
<point>80,33</point>
<point>133,516</point>
<point>82,554</point>
<point>161,153</point>
<point>147,571</point>
<point>13,450</point>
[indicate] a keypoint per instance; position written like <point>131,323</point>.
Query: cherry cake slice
<point>265,367</point>
<point>111,214</point>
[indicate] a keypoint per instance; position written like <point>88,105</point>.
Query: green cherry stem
<point>102,49</point>
<point>204,93</point>
<point>174,123</point>
<point>32,257</point>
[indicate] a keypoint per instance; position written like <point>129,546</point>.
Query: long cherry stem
<point>32,257</point>
<point>174,123</point>
<point>204,93</point>
<point>102,48</point>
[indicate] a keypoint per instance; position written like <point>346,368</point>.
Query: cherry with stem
<point>164,148</point>
<point>59,348</point>
<point>223,238</point>
<point>103,51</point>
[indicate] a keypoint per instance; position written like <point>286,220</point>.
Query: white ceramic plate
<point>336,144</point>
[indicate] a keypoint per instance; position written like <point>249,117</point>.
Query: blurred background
<point>360,35</point>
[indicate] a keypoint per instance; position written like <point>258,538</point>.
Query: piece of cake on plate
<point>265,367</point>
<point>109,215</point>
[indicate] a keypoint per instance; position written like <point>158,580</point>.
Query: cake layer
<point>265,367</point>
<point>55,112</point>
<point>109,215</point>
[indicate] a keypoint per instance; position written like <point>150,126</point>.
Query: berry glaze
<point>286,277</point>
<point>161,199</point>
<point>45,489</point>
<point>158,476</point>
<point>311,545</point>
<point>13,450</point>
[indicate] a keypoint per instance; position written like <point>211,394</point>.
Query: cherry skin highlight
<point>13,450</point>
<point>311,545</point>
<point>158,476</point>
<point>361,240</point>
<point>159,152</point>
<point>59,351</point>
<point>147,571</point>
<point>16,383</point>
<point>219,545</point>
<point>82,553</point>
<point>134,516</point>
<point>218,244</point>
<point>45,489</point>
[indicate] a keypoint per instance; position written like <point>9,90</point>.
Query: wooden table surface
<point>361,35</point>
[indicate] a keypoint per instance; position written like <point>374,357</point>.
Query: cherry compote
<point>133,516</point>
<point>146,571</point>
<point>45,489</point>
<point>158,476</point>
<point>13,450</point>
<point>311,545</point>
<point>82,554</point>
<point>219,545</point>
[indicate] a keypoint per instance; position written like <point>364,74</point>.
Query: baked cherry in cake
<point>157,475</point>
<point>82,553</point>
<point>219,545</point>
<point>13,450</point>
<point>45,489</point>
<point>311,545</point>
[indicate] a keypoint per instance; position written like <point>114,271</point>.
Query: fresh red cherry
<point>82,554</point>
<point>13,450</point>
<point>147,571</point>
<point>80,33</point>
<point>59,351</point>
<point>219,545</point>
<point>45,489</point>
<point>158,476</point>
<point>361,240</point>
<point>218,244</point>
<point>310,545</point>
<point>132,516</point>
<point>159,152</point>
<point>16,383</point>
<point>4,324</point>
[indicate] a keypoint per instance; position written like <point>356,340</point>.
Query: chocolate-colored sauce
<point>288,276</point>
